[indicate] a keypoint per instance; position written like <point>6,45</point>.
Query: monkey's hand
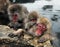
<point>15,25</point>
<point>12,35</point>
<point>42,40</point>
<point>17,33</point>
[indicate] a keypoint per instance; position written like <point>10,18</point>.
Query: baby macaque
<point>46,34</point>
<point>31,20</point>
<point>17,15</point>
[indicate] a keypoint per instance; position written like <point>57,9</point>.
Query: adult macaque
<point>17,15</point>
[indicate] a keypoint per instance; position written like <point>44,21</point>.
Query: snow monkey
<point>17,15</point>
<point>38,26</point>
<point>4,20</point>
<point>38,31</point>
<point>31,19</point>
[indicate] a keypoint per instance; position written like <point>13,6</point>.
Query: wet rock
<point>47,7</point>
<point>54,18</point>
<point>6,41</point>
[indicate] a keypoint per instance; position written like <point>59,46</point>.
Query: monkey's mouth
<point>15,17</point>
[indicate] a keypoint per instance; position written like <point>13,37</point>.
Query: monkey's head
<point>17,11</point>
<point>32,19</point>
<point>33,16</point>
<point>14,11</point>
<point>43,20</point>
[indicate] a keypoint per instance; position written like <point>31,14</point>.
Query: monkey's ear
<point>25,10</point>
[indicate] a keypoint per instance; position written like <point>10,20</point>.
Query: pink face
<point>40,29</point>
<point>15,17</point>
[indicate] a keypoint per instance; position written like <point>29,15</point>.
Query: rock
<point>6,41</point>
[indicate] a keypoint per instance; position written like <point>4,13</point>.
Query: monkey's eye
<point>13,10</point>
<point>33,19</point>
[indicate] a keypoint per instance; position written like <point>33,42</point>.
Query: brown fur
<point>20,10</point>
<point>4,4</point>
<point>28,22</point>
<point>4,20</point>
<point>47,34</point>
<point>31,34</point>
<point>40,19</point>
<point>45,37</point>
<point>46,22</point>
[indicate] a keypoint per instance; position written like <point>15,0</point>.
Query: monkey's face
<point>15,12</point>
<point>33,17</point>
<point>16,15</point>
<point>13,18</point>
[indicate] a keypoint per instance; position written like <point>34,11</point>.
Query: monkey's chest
<point>16,25</point>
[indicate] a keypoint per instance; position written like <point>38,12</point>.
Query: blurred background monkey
<point>4,20</point>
